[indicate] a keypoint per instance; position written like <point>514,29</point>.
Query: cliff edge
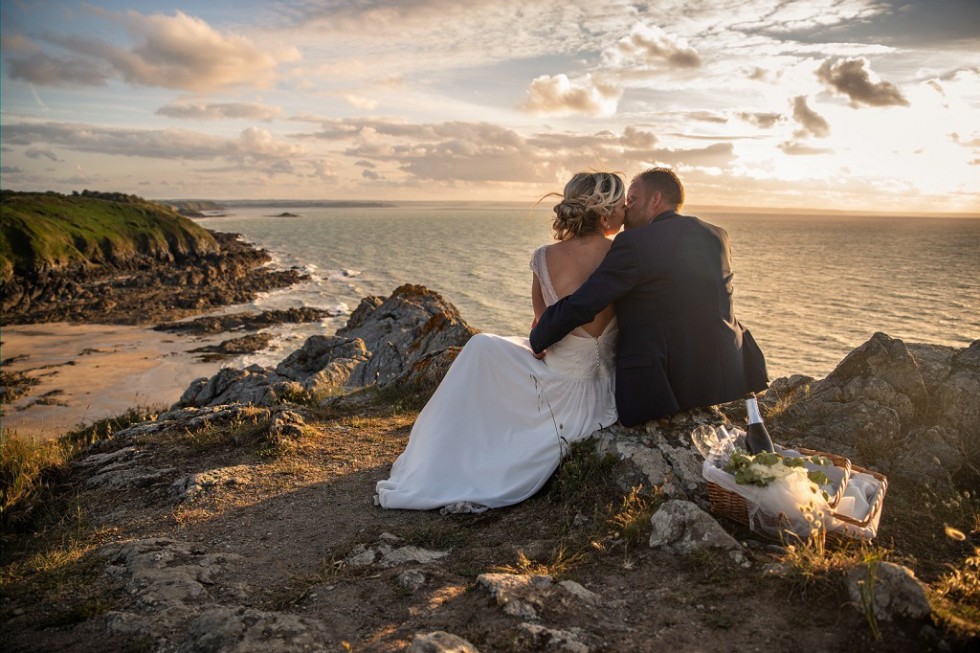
<point>239,525</point>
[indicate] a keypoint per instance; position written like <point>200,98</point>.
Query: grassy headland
<point>112,258</point>
<point>45,231</point>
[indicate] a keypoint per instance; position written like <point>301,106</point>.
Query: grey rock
<point>410,338</point>
<point>911,411</point>
<point>324,363</point>
<point>229,385</point>
<point>542,638</point>
<point>579,592</point>
<point>523,596</point>
<point>163,573</point>
<point>516,594</point>
<point>957,404</point>
<point>932,453</point>
<point>387,553</point>
<point>121,469</point>
<point>246,630</point>
<point>286,424</point>
<point>886,359</point>
<point>440,642</point>
<point>104,459</point>
<point>192,486</point>
<point>119,479</point>
<point>412,579</point>
<point>401,331</point>
<point>786,388</point>
<point>661,453</point>
<point>682,527</point>
<point>894,593</point>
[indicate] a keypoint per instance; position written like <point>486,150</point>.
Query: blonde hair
<point>587,198</point>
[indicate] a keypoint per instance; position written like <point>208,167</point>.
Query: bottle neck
<point>752,406</point>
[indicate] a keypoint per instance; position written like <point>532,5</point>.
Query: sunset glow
<point>862,105</point>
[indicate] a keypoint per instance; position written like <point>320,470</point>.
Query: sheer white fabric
<point>500,422</point>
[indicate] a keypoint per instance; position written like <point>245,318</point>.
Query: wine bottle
<point>756,435</point>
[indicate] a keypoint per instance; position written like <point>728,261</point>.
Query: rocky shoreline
<point>144,289</point>
<point>241,519</point>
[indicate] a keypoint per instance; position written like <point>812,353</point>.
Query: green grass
<point>49,230</point>
<point>31,468</point>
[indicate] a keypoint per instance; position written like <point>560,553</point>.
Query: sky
<point>865,105</point>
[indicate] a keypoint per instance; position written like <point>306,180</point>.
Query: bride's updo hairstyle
<point>588,197</point>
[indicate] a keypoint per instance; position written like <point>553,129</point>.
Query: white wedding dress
<point>500,422</point>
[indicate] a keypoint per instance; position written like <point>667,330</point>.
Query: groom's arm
<point>615,276</point>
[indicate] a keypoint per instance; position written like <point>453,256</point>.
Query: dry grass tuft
<point>559,562</point>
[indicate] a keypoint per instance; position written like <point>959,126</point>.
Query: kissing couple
<point>633,328</point>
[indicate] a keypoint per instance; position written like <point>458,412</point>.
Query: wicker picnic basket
<point>841,528</point>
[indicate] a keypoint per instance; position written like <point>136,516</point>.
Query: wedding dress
<point>500,422</point>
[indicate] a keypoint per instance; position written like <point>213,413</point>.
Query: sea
<point>810,287</point>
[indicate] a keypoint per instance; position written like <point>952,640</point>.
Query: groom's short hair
<point>666,182</point>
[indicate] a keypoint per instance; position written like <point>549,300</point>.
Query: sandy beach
<point>88,372</point>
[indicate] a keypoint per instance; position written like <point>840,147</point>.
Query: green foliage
<point>48,230</point>
<point>581,474</point>
<point>764,467</point>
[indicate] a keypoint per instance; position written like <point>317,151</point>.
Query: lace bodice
<point>539,266</point>
<point>579,354</point>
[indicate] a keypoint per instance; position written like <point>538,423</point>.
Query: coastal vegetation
<point>45,231</point>
<point>119,259</point>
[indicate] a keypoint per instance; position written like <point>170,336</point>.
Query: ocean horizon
<point>810,286</point>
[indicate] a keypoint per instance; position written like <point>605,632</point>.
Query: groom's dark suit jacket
<point>679,345</point>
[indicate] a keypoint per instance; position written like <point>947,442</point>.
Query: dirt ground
<point>295,516</point>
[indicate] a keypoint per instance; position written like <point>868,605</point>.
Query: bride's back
<point>570,263</point>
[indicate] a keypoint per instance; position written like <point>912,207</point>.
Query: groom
<point>670,277</point>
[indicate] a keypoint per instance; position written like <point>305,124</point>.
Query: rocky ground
<point>255,531</point>
<point>243,520</point>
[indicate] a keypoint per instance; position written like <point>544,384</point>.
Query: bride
<point>500,422</point>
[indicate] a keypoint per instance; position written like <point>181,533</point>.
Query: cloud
<point>458,152</point>
<point>763,120</point>
<point>708,116</point>
<point>242,110</point>
<point>37,153</point>
<point>718,155</point>
<point>252,145</point>
<point>17,43</point>
<point>853,78</point>
<point>559,95</point>
<point>650,46</point>
<point>323,171</point>
<point>10,170</point>
<point>795,148</point>
<point>812,122</point>
<point>360,102</point>
<point>178,51</point>
<point>39,68</point>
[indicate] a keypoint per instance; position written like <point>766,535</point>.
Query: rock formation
<point>906,410</point>
<point>410,339</point>
<point>143,289</point>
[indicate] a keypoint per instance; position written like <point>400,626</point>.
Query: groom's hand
<point>540,356</point>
